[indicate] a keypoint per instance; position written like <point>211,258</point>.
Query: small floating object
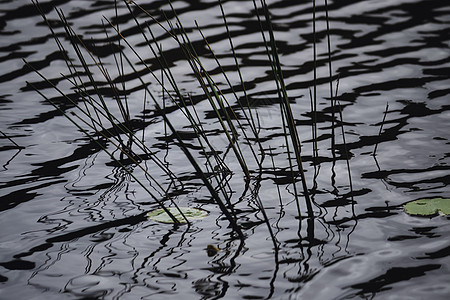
<point>428,207</point>
<point>212,250</point>
<point>191,213</point>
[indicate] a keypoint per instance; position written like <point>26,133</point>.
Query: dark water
<point>73,223</point>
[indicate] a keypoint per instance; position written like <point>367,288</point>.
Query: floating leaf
<point>212,250</point>
<point>191,213</point>
<point>428,207</point>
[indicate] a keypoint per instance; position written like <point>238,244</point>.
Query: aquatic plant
<point>242,152</point>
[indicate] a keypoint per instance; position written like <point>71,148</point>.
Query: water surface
<point>73,222</point>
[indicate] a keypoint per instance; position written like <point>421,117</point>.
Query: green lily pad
<point>428,207</point>
<point>191,213</point>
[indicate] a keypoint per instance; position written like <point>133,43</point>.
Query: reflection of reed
<point>101,254</point>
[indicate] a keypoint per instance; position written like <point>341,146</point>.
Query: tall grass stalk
<point>286,107</point>
<point>17,146</point>
<point>250,120</point>
<point>330,72</point>
<point>347,158</point>
<point>381,128</point>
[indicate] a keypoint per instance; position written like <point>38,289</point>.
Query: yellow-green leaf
<point>428,207</point>
<point>191,213</point>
